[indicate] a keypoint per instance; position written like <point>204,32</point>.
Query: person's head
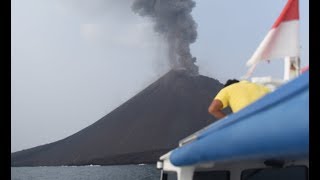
<point>230,81</point>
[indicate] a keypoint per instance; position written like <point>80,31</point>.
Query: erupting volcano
<point>139,131</point>
<point>174,22</point>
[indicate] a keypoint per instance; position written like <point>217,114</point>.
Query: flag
<point>283,38</point>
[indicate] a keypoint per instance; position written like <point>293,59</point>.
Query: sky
<point>74,61</point>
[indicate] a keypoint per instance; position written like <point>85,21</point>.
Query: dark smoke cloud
<point>174,21</point>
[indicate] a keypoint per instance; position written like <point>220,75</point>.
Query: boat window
<point>169,176</point>
<point>211,175</point>
<point>290,173</point>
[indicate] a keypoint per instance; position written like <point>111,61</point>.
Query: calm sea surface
<point>124,172</point>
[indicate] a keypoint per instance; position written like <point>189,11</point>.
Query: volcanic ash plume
<point>174,21</point>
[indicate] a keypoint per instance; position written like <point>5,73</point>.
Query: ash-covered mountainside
<point>139,131</point>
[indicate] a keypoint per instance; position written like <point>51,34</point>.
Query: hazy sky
<point>74,61</point>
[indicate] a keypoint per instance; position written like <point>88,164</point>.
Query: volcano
<point>138,131</point>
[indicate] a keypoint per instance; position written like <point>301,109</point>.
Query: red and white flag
<point>283,38</point>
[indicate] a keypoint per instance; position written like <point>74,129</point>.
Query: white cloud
<point>90,32</point>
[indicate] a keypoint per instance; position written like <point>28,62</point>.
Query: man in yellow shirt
<point>237,95</point>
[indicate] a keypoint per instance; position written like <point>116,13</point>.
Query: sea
<point>92,172</point>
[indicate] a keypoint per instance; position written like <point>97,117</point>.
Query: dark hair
<point>231,81</point>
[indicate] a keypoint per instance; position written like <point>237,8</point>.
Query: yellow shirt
<point>239,95</point>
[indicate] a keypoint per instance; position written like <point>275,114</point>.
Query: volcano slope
<point>138,131</point>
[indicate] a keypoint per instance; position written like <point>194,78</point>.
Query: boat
<point>269,139</point>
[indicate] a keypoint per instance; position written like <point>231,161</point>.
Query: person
<point>237,95</point>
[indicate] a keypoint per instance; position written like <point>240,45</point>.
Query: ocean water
<point>123,172</point>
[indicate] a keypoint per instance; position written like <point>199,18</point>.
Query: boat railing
<point>192,137</point>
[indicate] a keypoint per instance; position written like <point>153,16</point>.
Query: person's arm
<point>215,109</point>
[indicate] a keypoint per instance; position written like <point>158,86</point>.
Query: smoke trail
<point>174,21</point>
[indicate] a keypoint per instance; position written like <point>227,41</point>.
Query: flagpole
<point>291,67</point>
